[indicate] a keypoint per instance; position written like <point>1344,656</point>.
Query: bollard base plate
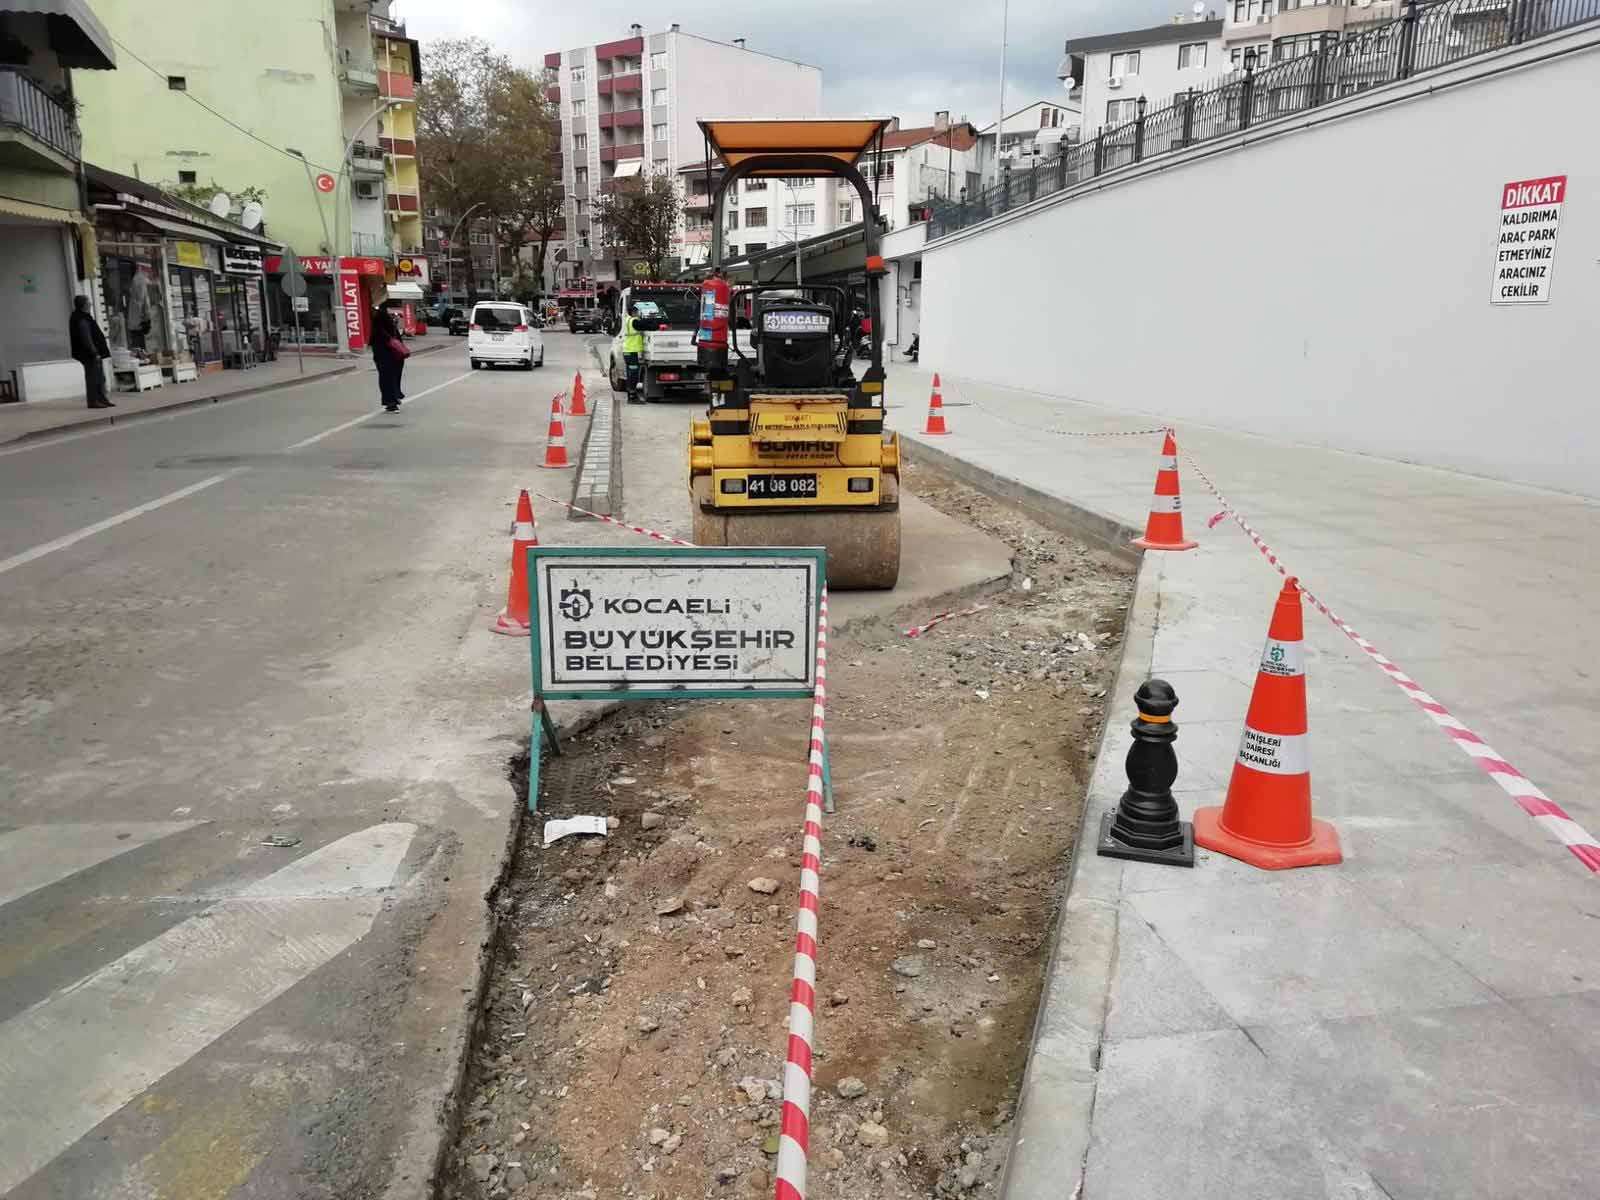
<point>1110,846</point>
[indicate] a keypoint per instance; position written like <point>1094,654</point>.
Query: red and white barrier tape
<point>1514,783</point>
<point>941,618</point>
<point>640,529</point>
<point>1058,431</point>
<point>794,1133</point>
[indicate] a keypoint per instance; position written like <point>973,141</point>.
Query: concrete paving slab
<point>1433,1123</point>
<point>1574,1018</point>
<point>1206,1116</point>
<point>1152,992</point>
<point>1304,946</point>
<point>1514,927</point>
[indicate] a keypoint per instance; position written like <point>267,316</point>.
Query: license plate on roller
<point>781,487</point>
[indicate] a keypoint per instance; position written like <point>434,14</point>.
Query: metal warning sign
<point>649,622</point>
<point>1525,255</point>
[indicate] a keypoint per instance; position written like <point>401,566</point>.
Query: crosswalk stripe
<point>72,1060</point>
<point>36,856</point>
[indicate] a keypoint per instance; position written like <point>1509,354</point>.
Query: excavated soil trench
<point>634,1035</point>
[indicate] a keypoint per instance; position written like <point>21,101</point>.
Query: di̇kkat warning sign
<point>673,621</point>
<point>1525,256</point>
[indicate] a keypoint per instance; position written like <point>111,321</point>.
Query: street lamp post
<point>449,253</point>
<point>1000,125</point>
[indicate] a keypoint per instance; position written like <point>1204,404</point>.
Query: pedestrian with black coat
<point>389,354</point>
<point>89,347</point>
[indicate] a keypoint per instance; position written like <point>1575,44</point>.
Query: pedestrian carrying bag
<point>399,349</point>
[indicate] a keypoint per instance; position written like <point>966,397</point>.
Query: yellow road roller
<point>791,451</point>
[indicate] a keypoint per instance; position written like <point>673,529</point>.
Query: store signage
<point>350,296</point>
<point>241,260</point>
<point>325,266</point>
<point>1525,254</point>
<point>190,254</point>
<point>623,620</point>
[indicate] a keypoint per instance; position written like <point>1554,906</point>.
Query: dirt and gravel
<point>633,1041</point>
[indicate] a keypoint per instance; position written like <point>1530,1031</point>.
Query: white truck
<point>668,315</point>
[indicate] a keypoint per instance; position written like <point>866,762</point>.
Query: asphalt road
<point>261,622</point>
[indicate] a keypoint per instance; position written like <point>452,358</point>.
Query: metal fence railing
<point>25,105</point>
<point>1425,37</point>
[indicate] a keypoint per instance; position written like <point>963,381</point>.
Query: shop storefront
<point>191,269</point>
<point>133,286</point>
<point>337,290</point>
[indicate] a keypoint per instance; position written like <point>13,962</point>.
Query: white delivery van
<point>504,332</point>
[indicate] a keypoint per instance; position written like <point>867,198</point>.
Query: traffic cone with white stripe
<point>579,408</point>
<point>555,451</point>
<point>1266,818</point>
<point>513,620</point>
<point>1164,528</point>
<point>935,411</point>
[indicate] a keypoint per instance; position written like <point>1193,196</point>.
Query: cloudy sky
<point>901,57</point>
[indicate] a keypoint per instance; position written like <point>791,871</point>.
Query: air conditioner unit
<point>1263,19</point>
<point>1114,82</point>
<point>369,191</point>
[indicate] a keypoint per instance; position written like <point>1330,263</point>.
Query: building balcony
<point>358,79</point>
<point>366,161</point>
<point>628,118</point>
<point>694,202</point>
<point>384,27</point>
<point>626,48</point>
<point>404,202</point>
<point>553,94</point>
<point>396,85</point>
<point>399,147</point>
<point>553,60</point>
<point>36,129</point>
<point>615,153</point>
<point>619,84</point>
<point>369,245</point>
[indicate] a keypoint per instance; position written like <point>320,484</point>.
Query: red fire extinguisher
<point>711,338</point>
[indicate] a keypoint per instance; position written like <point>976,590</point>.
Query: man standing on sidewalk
<point>632,351</point>
<point>90,348</point>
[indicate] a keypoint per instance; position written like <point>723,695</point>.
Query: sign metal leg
<point>543,727</point>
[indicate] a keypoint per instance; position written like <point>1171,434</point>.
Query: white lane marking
<point>88,531</point>
<point>326,433</point>
<point>38,855</point>
<point>69,435</point>
<point>71,539</point>
<point>72,1060</point>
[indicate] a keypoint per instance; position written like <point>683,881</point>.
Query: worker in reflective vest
<point>632,350</point>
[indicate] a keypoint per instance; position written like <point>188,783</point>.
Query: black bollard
<point>1145,826</point>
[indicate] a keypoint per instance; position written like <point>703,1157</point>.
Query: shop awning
<point>404,291</point>
<point>76,35</point>
<point>38,212</point>
<point>186,233</point>
<point>628,167</point>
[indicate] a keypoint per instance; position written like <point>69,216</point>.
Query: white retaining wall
<point>1329,284</point>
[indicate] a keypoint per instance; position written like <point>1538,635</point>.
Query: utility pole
<point>1000,125</point>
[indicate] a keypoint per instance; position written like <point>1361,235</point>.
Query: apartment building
<point>328,103</point>
<point>631,107</point>
<point>1280,30</point>
<point>1112,71</point>
<point>1034,131</point>
<point>760,214</point>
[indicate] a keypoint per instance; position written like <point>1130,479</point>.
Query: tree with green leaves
<point>642,215</point>
<point>200,195</point>
<point>486,135</point>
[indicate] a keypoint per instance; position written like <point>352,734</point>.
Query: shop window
<point>178,83</point>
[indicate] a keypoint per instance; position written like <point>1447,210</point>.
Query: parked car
<point>443,314</point>
<point>503,331</point>
<point>459,323</point>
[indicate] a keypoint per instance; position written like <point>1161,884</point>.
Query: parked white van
<point>504,332</point>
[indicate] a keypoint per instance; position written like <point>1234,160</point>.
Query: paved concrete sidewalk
<point>1421,1021</point>
<point>45,418</point>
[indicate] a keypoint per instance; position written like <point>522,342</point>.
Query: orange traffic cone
<point>1266,818</point>
<point>1163,529</point>
<point>513,619</point>
<point>579,408</point>
<point>555,451</point>
<point>935,410</point>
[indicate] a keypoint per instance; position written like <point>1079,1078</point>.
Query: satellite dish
<point>1199,9</point>
<point>251,216</point>
<point>221,204</point>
